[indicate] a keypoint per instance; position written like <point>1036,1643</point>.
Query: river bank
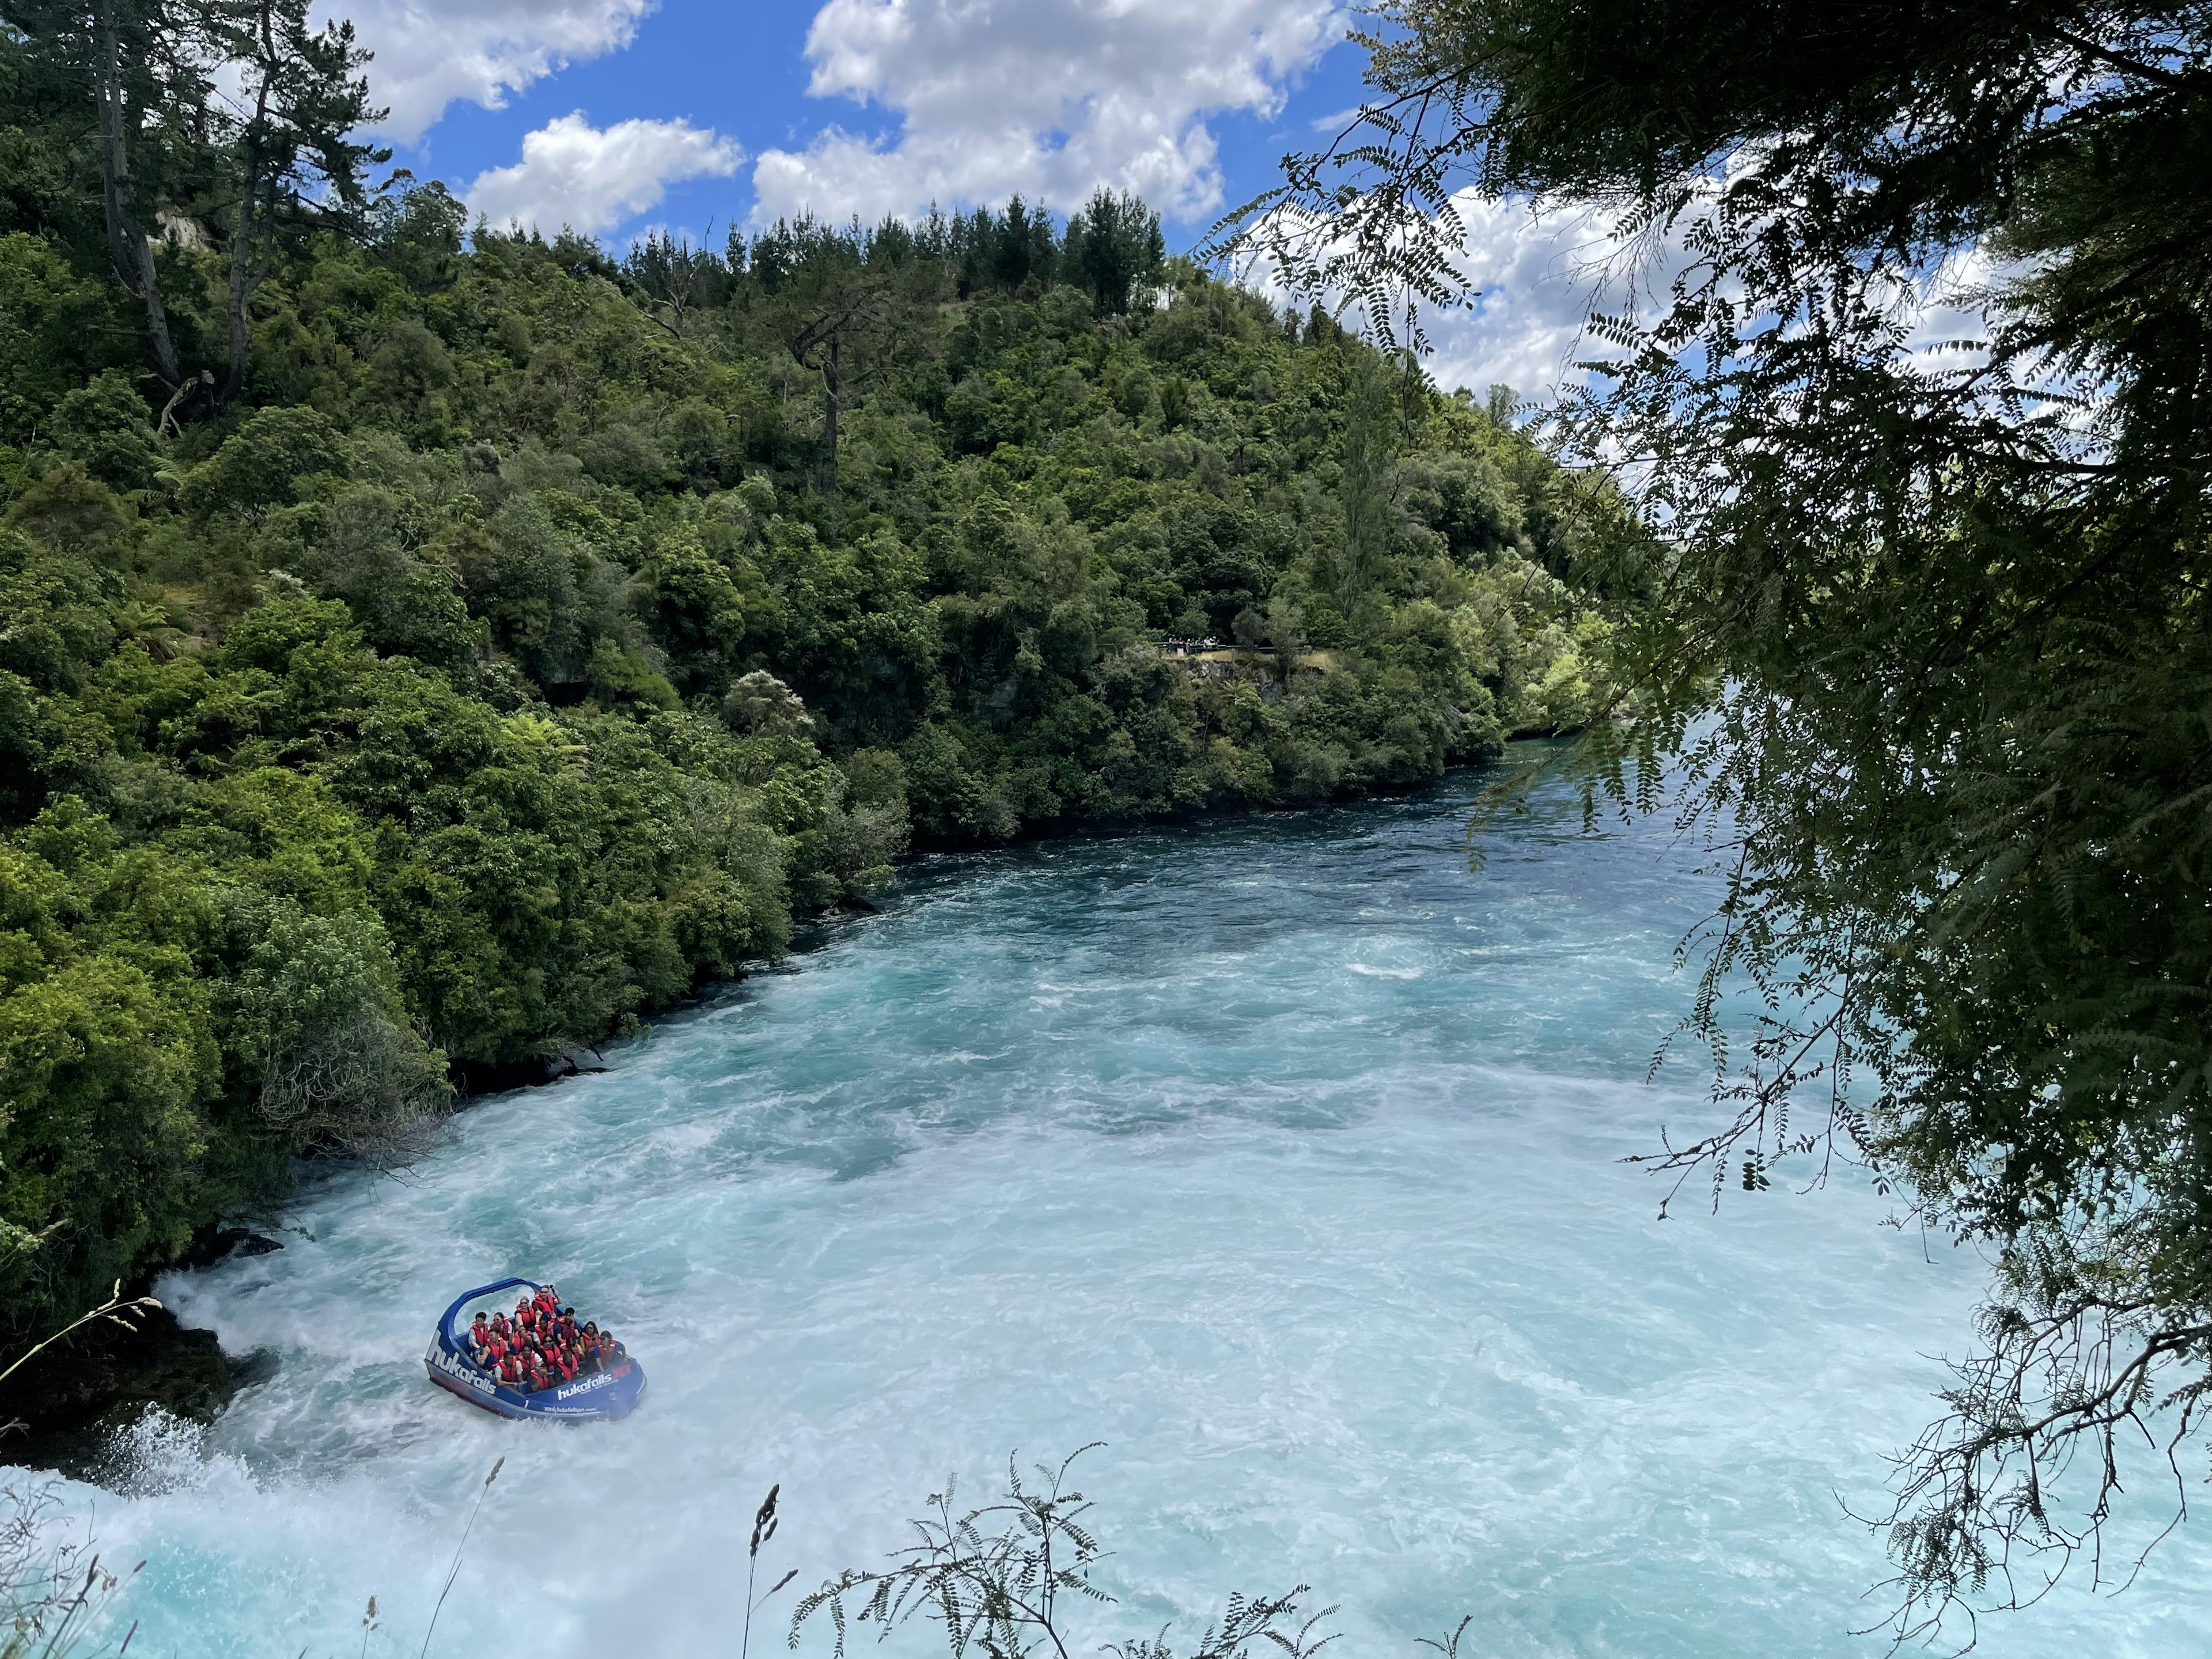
<point>1282,1155</point>
<point>71,1402</point>
<point>63,1409</point>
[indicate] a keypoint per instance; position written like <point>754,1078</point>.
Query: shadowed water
<point>1281,1155</point>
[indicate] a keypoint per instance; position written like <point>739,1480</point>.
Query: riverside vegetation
<point>422,652</point>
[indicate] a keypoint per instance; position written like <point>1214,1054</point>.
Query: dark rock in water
<point>72,1397</point>
<point>213,1244</point>
<point>68,1402</point>
<point>497,1076</point>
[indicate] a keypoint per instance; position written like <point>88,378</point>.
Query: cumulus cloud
<point>1533,278</point>
<point>1049,98</point>
<point>1538,277</point>
<point>1541,276</point>
<point>429,54</point>
<point>591,178</point>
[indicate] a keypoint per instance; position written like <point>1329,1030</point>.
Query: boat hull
<point>596,1396</point>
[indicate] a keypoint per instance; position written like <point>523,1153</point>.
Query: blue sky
<point>619,116</point>
<point>872,97</point>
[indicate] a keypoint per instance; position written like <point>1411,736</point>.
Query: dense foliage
<point>497,639</point>
<point>1933,643</point>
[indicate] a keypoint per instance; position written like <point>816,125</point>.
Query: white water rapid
<point>1280,1155</point>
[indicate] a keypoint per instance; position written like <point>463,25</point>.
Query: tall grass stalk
<point>46,1609</point>
<point>454,1571</point>
<point>115,1311</point>
<point>764,1523</point>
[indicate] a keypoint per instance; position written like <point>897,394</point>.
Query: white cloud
<point>1050,97</point>
<point>576,174</point>
<point>430,52</point>
<point>1542,277</point>
<point>1533,279</point>
<point>1538,278</point>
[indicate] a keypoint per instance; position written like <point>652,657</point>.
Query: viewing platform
<point>1206,650</point>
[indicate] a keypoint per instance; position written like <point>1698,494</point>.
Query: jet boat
<point>594,1396</point>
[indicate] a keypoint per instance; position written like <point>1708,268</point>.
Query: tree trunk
<point>242,280</point>
<point>127,246</point>
<point>830,388</point>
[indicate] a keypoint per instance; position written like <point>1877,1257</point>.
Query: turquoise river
<point>1282,1155</point>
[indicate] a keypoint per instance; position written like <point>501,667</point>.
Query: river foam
<point>1282,1156</point>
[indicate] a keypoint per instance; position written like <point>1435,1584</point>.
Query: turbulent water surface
<point>1279,1155</point>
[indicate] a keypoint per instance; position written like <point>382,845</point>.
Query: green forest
<point>429,646</point>
<point>426,648</point>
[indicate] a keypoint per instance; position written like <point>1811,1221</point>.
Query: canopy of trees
<point>1931,640</point>
<point>493,639</point>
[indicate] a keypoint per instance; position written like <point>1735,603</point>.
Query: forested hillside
<point>489,640</point>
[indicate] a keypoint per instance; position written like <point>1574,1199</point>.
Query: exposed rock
<point>71,1397</point>
<point>216,1244</point>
